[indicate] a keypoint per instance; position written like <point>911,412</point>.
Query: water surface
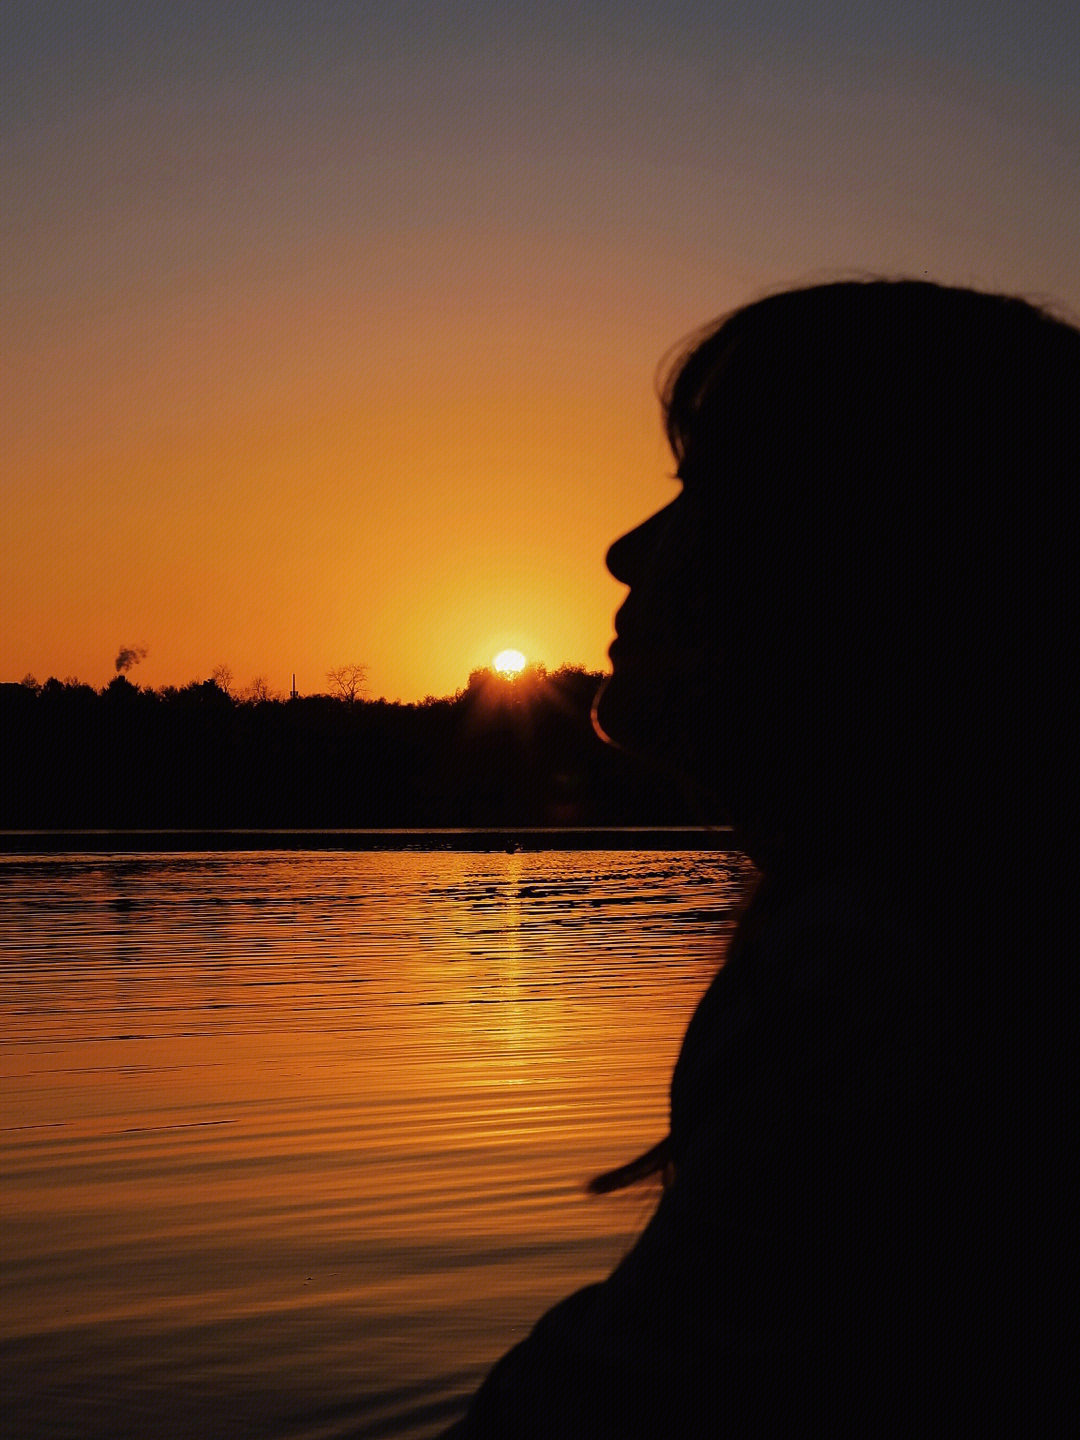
<point>293,1143</point>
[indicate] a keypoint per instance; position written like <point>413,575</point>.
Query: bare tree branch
<point>348,681</point>
<point>260,690</point>
<point>222,677</point>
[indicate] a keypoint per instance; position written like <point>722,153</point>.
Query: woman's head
<point>863,575</point>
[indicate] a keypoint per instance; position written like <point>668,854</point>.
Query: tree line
<point>503,751</point>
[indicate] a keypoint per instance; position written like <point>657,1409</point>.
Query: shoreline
<point>510,838</point>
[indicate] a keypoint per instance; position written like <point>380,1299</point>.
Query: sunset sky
<point>330,330</point>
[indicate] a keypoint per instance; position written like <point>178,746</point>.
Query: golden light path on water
<point>294,1144</point>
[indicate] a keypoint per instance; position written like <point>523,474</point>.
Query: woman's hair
<point>889,471</point>
<point>892,468</point>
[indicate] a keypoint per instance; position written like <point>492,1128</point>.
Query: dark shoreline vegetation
<point>508,838</point>
<point>503,755</point>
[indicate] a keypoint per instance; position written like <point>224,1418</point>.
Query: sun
<point>509,662</point>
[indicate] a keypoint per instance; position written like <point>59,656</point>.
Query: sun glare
<point>509,662</point>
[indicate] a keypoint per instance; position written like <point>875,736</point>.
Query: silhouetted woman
<point>849,632</point>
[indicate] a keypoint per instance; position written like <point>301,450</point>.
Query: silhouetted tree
<point>348,681</point>
<point>119,687</point>
<point>503,751</point>
<point>260,690</point>
<point>222,677</point>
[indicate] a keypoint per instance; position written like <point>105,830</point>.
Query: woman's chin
<point>638,713</point>
<point>600,706</point>
<point>620,715</point>
<point>671,725</point>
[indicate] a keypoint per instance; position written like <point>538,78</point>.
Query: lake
<point>293,1143</point>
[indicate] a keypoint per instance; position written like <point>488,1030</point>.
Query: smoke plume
<point>129,655</point>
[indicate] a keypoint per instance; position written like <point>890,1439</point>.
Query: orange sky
<point>324,343</point>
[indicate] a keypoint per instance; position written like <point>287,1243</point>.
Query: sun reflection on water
<point>327,1115</point>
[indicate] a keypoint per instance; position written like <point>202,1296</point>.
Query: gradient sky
<point>330,330</point>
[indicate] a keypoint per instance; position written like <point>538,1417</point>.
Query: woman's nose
<point>632,551</point>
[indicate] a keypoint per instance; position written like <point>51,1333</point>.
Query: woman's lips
<point>629,652</point>
<point>626,652</point>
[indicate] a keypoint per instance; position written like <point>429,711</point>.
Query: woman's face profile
<point>658,701</point>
